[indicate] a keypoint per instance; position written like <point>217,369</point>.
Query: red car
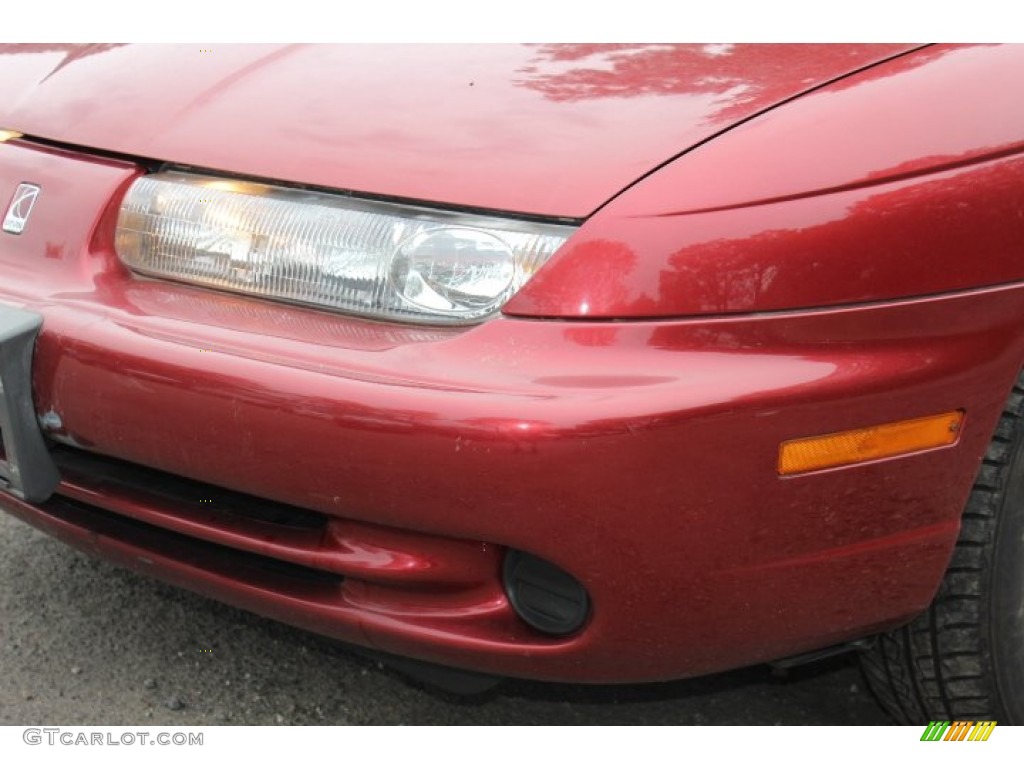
<point>583,363</point>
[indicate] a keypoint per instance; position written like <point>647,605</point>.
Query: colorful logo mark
<point>959,730</point>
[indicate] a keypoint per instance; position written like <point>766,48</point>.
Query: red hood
<point>546,129</point>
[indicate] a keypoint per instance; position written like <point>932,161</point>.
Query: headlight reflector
<point>382,260</point>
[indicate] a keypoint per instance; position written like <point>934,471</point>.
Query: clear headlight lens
<point>381,260</point>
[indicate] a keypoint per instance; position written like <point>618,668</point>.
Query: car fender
<point>905,179</point>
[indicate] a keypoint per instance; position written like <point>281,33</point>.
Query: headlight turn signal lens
<point>383,260</point>
<point>878,442</point>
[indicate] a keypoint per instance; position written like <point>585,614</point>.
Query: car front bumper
<point>363,480</point>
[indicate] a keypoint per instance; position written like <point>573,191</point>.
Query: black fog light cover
<point>545,597</point>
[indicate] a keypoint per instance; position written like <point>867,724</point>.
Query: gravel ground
<point>86,643</point>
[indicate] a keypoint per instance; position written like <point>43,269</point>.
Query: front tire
<point>963,659</point>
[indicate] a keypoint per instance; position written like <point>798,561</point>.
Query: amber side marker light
<point>6,135</point>
<point>879,442</point>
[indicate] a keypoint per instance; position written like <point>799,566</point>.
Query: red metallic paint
<point>543,129</point>
<point>904,180</point>
<point>640,456</point>
<point>544,449</point>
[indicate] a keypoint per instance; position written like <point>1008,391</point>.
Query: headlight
<point>381,260</point>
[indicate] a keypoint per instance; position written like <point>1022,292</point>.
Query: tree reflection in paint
<point>745,78</point>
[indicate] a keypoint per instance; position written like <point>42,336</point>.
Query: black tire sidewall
<point>1006,615</point>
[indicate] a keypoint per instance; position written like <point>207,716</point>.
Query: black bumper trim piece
<point>26,468</point>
